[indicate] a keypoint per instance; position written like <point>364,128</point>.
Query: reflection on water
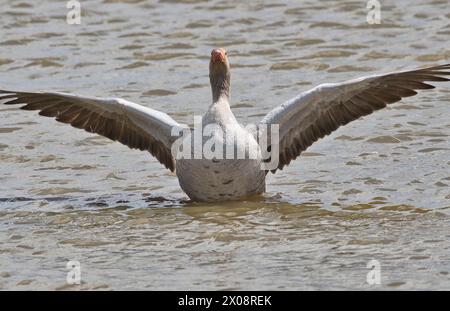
<point>376,189</point>
<point>259,244</point>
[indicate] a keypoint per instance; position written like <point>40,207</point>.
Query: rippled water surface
<point>375,189</point>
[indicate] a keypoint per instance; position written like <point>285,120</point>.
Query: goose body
<point>301,121</point>
<point>217,179</point>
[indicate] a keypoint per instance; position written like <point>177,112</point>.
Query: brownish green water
<point>375,189</point>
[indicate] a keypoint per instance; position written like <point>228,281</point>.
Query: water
<point>377,188</point>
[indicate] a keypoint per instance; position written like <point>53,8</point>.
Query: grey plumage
<point>133,125</point>
<point>318,112</point>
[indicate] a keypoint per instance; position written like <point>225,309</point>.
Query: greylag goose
<point>299,123</point>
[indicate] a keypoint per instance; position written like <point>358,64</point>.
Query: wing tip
<point>8,92</point>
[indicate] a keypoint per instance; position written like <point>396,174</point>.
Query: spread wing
<point>318,112</point>
<point>133,125</point>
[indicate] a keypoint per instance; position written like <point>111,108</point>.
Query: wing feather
<point>133,125</point>
<point>318,112</point>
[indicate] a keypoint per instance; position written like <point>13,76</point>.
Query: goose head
<point>219,74</point>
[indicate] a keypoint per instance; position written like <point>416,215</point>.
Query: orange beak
<point>218,55</point>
